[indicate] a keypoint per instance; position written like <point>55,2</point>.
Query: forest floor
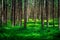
<point>34,31</point>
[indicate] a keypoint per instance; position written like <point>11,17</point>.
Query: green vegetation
<point>33,31</point>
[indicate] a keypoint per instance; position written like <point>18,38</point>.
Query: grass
<point>32,32</point>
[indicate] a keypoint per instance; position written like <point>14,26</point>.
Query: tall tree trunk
<point>4,11</point>
<point>1,14</point>
<point>20,11</point>
<point>47,11</point>
<point>42,16</point>
<point>59,14</point>
<point>13,12</point>
<point>35,10</point>
<point>39,9</point>
<point>28,10</point>
<point>25,13</point>
<point>53,11</point>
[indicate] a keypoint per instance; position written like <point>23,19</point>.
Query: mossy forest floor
<point>34,31</point>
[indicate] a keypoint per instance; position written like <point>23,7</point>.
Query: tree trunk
<point>53,11</point>
<point>42,16</point>
<point>35,10</point>
<point>20,11</point>
<point>4,11</point>
<point>1,14</point>
<point>25,13</point>
<point>13,12</point>
<point>39,10</point>
<point>47,12</point>
<point>59,14</point>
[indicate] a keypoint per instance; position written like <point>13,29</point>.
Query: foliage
<point>33,31</point>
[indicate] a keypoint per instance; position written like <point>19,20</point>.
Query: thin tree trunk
<point>25,13</point>
<point>3,11</point>
<point>59,14</point>
<point>42,16</point>
<point>53,11</point>
<point>6,12</point>
<point>35,10</point>
<point>20,11</point>
<point>47,12</point>
<point>13,12</point>
<point>1,14</point>
<point>39,9</point>
<point>28,10</point>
